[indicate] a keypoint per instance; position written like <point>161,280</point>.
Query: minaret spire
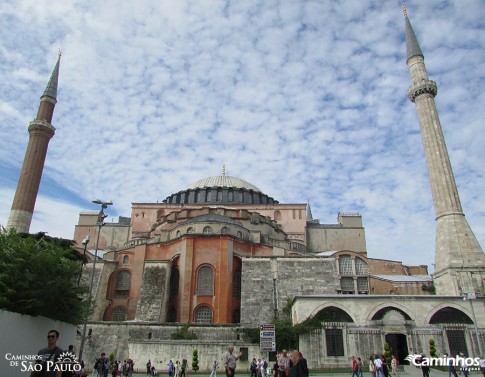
<point>412,45</point>
<point>51,89</point>
<point>459,257</point>
<point>40,131</point>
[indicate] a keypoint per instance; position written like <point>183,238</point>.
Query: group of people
<point>379,366</point>
<point>120,368</point>
<point>293,365</point>
<point>177,369</point>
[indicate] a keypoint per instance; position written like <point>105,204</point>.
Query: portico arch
<point>454,321</point>
<point>333,308</point>
<point>378,312</point>
<point>449,314</point>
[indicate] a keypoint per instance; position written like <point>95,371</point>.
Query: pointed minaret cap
<point>309,216</point>
<point>51,89</point>
<point>412,45</point>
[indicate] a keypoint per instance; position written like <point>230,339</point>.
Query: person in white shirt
<point>378,364</point>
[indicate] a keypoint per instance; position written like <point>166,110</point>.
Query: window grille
<point>236,286</point>
<point>172,315</point>
<point>345,265</point>
<point>360,267</point>
<point>125,259</point>
<point>456,341</point>
<point>190,230</point>
<point>347,284</point>
<point>362,284</point>
<point>207,230</point>
<point>203,315</point>
<point>174,282</point>
<point>123,283</point>
<point>335,342</point>
<point>225,230</point>
<point>205,281</point>
<point>236,316</point>
<point>118,314</point>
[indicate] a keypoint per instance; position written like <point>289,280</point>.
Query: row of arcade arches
<point>451,319</point>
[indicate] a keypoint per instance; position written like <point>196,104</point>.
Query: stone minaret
<point>459,258</point>
<point>41,131</point>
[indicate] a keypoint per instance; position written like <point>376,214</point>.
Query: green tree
<point>38,276</point>
<point>195,360</point>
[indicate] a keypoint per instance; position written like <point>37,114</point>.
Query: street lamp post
<point>99,224</point>
<point>85,243</point>
<point>470,296</point>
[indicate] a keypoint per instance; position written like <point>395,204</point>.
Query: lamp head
<point>104,204</point>
<point>86,240</point>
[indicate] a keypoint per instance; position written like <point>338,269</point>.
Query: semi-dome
<point>224,181</point>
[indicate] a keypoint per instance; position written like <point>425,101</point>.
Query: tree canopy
<point>38,276</point>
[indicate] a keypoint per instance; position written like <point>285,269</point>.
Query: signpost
<point>267,337</point>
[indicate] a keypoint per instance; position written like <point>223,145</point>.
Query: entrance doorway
<point>399,346</point>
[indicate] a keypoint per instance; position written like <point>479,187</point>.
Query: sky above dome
<point>307,100</point>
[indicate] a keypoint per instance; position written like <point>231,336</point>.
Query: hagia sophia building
<point>221,255</point>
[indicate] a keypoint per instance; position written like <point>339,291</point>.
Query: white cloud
<point>307,100</point>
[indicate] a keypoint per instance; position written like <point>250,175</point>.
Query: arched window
<point>225,230</point>
<point>345,265</point>
<point>178,234</point>
<point>123,283</point>
<point>239,234</point>
<point>203,314</point>
<point>205,281</point>
<point>118,314</point>
<point>207,230</point>
<point>236,316</point>
<point>360,267</point>
<point>277,215</point>
<point>125,259</point>
<point>236,283</point>
<point>190,230</point>
<point>172,315</point>
<point>174,282</point>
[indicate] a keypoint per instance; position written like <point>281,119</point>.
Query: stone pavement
<point>409,371</point>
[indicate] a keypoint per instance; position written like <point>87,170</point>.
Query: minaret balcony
<point>424,87</point>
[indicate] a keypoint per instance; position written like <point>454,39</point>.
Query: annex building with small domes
<point>221,255</point>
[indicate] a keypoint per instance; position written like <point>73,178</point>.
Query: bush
<point>195,360</point>
<point>432,348</point>
<point>183,333</point>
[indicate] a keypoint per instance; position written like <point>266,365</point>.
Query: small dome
<point>224,181</point>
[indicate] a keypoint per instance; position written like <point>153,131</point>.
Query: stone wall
<point>268,284</point>
<point>152,303</point>
<point>141,342</point>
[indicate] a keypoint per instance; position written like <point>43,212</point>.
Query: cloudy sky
<point>304,99</point>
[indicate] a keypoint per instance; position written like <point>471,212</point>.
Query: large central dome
<point>224,181</point>
<point>220,189</point>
